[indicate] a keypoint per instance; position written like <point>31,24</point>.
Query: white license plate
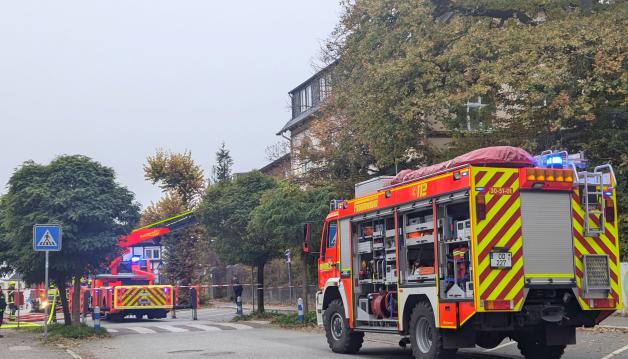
<point>501,260</point>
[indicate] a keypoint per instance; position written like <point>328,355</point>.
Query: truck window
<point>331,235</point>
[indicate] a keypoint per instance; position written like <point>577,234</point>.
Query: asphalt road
<point>214,336</point>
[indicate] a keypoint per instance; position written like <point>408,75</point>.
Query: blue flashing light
<point>135,259</point>
<point>555,160</point>
<point>465,174</point>
<point>479,189</point>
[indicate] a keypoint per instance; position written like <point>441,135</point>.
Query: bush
<point>267,315</point>
<point>292,320</point>
<point>282,320</point>
<point>56,331</point>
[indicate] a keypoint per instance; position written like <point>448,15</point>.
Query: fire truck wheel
<point>339,337</point>
<point>532,347</point>
<point>425,338</point>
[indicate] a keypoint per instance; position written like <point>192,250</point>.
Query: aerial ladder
<point>129,287</point>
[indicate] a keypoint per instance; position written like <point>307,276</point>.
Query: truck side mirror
<point>306,237</point>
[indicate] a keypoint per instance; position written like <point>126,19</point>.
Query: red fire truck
<point>129,288</point>
<point>492,244</point>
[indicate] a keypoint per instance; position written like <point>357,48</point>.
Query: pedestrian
<point>237,289</point>
<point>3,305</point>
<point>11,300</point>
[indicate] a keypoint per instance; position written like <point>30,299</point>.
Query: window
<point>151,253</point>
<point>331,235</point>
<point>305,95</point>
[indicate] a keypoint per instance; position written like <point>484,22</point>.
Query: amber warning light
<point>546,178</point>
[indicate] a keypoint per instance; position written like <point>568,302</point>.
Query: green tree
<point>551,74</point>
<point>221,171</point>
<point>182,182</point>
<point>226,212</point>
<point>84,198</point>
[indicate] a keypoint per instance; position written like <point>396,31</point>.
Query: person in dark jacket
<point>3,305</point>
<point>237,289</point>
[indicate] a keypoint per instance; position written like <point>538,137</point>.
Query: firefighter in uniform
<point>53,295</point>
<point>11,292</point>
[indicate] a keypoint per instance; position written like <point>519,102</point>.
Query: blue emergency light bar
<point>562,159</point>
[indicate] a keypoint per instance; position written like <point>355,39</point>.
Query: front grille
<point>596,272</point>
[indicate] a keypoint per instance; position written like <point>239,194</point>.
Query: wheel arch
<point>334,290</point>
<point>409,304</point>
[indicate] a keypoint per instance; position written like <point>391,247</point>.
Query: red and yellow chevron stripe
<point>606,243</point>
<point>501,228</point>
<point>145,297</point>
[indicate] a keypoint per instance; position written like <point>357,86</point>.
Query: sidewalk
<point>24,345</point>
<point>615,320</point>
<point>267,307</point>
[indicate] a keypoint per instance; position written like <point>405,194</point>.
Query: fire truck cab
<point>492,244</point>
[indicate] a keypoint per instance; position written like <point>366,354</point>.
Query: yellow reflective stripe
<point>495,272</point>
<point>498,205</point>
<point>493,231</point>
<point>508,278</point>
<point>514,290</point>
<point>550,275</point>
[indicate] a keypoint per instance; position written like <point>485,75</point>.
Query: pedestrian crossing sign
<point>47,237</point>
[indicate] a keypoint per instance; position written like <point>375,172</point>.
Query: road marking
<point>141,330</point>
<point>235,325</point>
<point>19,348</point>
<point>616,352</point>
<point>500,346</point>
<point>73,354</point>
<point>112,330</point>
<point>203,327</point>
<point>171,328</point>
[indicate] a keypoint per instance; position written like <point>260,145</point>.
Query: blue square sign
<point>47,237</point>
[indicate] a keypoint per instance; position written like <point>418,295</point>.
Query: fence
<point>273,295</point>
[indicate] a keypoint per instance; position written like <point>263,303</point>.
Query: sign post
<point>46,238</point>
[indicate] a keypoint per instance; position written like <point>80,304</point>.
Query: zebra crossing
<point>180,328</point>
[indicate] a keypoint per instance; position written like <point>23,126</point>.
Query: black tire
<point>534,347</point>
<point>425,338</point>
<point>340,337</point>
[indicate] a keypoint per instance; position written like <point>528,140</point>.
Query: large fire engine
<point>492,244</point>
<point>129,288</point>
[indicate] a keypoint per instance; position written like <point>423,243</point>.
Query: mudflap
<point>463,337</point>
<point>560,335</point>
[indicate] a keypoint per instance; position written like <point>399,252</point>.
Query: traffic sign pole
<point>47,304</point>
<point>46,238</point>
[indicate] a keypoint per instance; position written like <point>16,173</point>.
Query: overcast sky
<point>114,80</point>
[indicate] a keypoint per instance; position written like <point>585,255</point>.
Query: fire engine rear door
<point>547,237</point>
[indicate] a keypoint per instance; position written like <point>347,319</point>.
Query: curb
<point>606,328</point>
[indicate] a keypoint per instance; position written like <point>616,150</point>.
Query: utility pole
<point>306,283</point>
<point>288,254</point>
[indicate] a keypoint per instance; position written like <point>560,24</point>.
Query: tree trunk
<point>260,287</point>
<point>64,301</point>
<point>76,302</point>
